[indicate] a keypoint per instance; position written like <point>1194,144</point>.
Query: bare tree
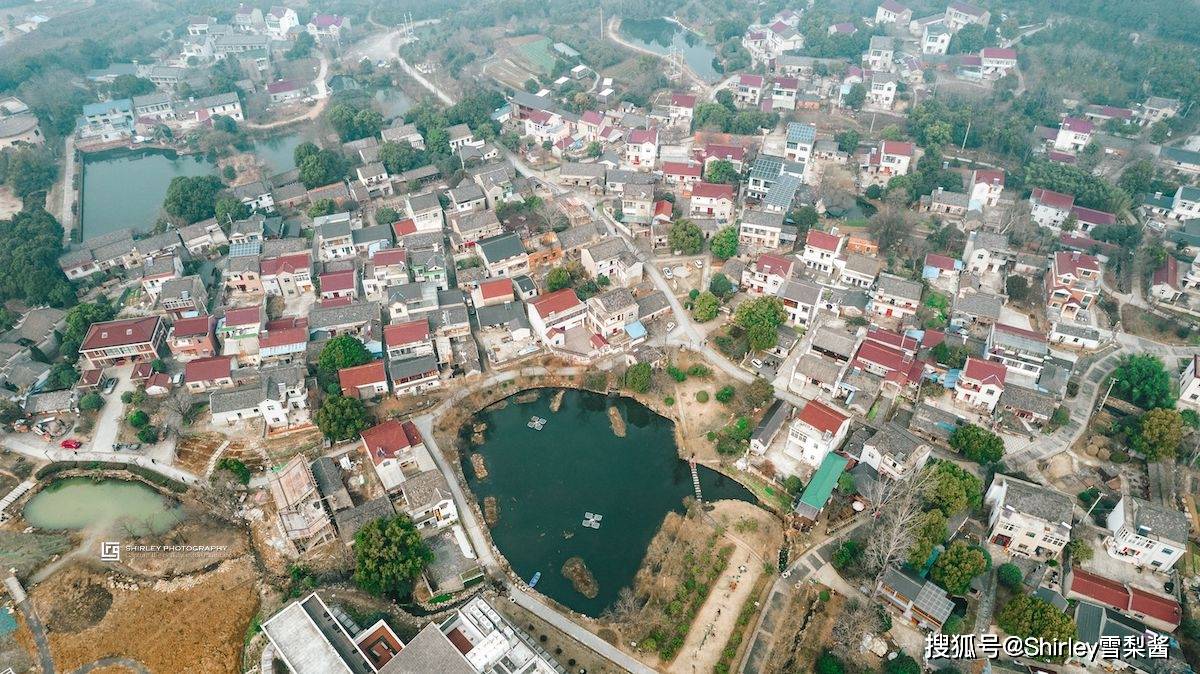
<point>180,402</point>
<point>625,609</point>
<point>858,620</point>
<point>896,515</point>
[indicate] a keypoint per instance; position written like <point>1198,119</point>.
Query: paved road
<point>583,636</point>
<point>53,453</point>
<point>32,621</point>
<point>108,424</point>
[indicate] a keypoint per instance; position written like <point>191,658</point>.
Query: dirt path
<point>717,616</point>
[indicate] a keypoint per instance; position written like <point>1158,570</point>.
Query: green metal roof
<point>817,493</point>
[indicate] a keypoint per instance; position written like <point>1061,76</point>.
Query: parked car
<point>70,444</point>
<point>109,385</point>
<point>667,272</point>
<point>699,264</point>
<point>757,364</point>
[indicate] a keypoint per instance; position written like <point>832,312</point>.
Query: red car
<point>71,444</point>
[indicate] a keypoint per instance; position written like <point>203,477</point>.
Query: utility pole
<point>1105,398</point>
<point>965,134</point>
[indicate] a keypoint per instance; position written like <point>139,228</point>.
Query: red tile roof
<point>1053,199</point>
<point>892,339</point>
<point>787,83</point>
<point>681,168</point>
<point>337,301</point>
<point>1124,598</point>
<point>289,264</point>
<point>823,240</point>
<point>352,378</point>
<point>405,226</point>
<point>663,209</point>
<point>683,100</point>
<point>989,177</point>
<point>123,332</point>
<point>387,439</point>
<point>1093,217</point>
<point>142,371</point>
<point>985,371</point>
<point>1077,125</point>
<point>897,147</point>
<point>730,152</point>
<point>998,53</point>
<point>750,80</point>
<point>1060,157</point>
<point>640,136</point>
<point>1014,330</point>
<point>940,261</point>
<point>192,327</point>
<point>768,263</point>
<point>713,191</point>
<point>208,369</point>
<point>887,357</point>
<point>592,117</point>
<point>1168,273</point>
<point>338,280</point>
<point>822,417</point>
<point>283,336</point>
<point>245,316</point>
<point>1155,606</point>
<point>389,256</point>
<point>408,332</point>
<point>555,302</point>
<point>1070,262</point>
<point>493,288</point>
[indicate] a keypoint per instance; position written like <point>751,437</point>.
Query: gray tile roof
<point>579,170</point>
<point>1161,522</point>
<point>819,369</point>
<point>349,521</point>
<point>864,265</point>
<point>1027,399</point>
<point>579,236</point>
<point>510,314</point>
<point>253,394</point>
<point>616,299</point>
<point>834,340</point>
<point>899,287</point>
<point>429,651</point>
<point>425,489</point>
<point>896,441</point>
<point>419,203</point>
<point>652,304</point>
<point>367,235</point>
<point>320,318</point>
<point>502,247</point>
<point>466,223</point>
<point>407,367</point>
<point>772,420</point>
<point>606,249</point>
<point>980,305</point>
<point>1034,499</point>
<point>803,292</point>
<point>933,421</point>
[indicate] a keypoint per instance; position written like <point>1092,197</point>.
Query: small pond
<point>80,502</point>
<point>545,481</point>
<point>659,35</point>
<point>392,102</point>
<point>278,153</point>
<point>123,188</point>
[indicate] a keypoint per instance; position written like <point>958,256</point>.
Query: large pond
<point>126,189</point>
<point>659,35</point>
<point>80,502</point>
<point>278,153</point>
<point>545,481</point>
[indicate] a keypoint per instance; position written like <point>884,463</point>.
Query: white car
<point>667,272</point>
<point>699,264</point>
<point>670,326</point>
<point>757,364</point>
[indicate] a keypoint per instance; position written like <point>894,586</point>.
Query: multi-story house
<point>1023,352</point>
<point>396,450</point>
<point>762,231</point>
<point>962,14</point>
<point>158,271</point>
<point>784,91</point>
<point>208,374</point>
<point>388,268</point>
<point>1146,534</point>
<point>1072,283</point>
<point>880,53</point>
<point>412,376</point>
<point>890,11</point>
<point>798,145</point>
<point>333,238</point>
<point>1073,134</point>
<point>409,339</point>
<point>641,149</point>
<point>239,331</point>
<point>554,314</point>
<point>801,300</point>
<point>681,109</point>
<point>637,204</point>
<point>980,384</point>
<point>503,256</point>
<point>895,452</point>
<point>1028,519</point>
<point>935,39</point>
<point>283,341</point>
<point>364,381</point>
<point>123,341</point>
<point>857,270</point>
<point>107,120</point>
<point>426,498</point>
<point>425,211</point>
<point>184,297</point>
<point>996,62</point>
<point>280,22</point>
<point>895,296</point>
<point>467,197</point>
<point>768,274</point>
<point>328,28</point>
<point>684,173</point>
<point>817,430</point>
<point>985,187</point>
<point>1189,384</point>
<point>609,312</point>
<point>288,275</point>
<point>338,284</point>
<point>191,338</point>
<point>243,276</point>
<point>986,252</point>
<point>279,398</point>
<point>713,201</point>
<point>429,266</point>
<point>609,257</point>
<point>881,91</point>
<point>880,164</point>
<point>748,91</point>
<point>821,249</point>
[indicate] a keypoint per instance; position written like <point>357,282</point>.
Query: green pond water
<point>544,481</point>
<point>80,502</point>
<point>392,102</point>
<point>659,35</point>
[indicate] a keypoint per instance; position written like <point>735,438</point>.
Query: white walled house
<point>1189,384</point>
<point>1146,534</point>
<point>396,449</point>
<point>1026,518</point>
<point>980,384</point>
<point>820,250</point>
<point>1073,134</point>
<point>817,430</point>
<point>554,314</point>
<point>895,452</point>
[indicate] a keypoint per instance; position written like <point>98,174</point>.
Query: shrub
<point>1009,575</point>
<point>824,595</point>
<point>725,394</point>
<point>676,373</point>
<point>138,419</point>
<point>235,466</point>
<point>669,400</point>
<point>149,434</point>
<point>701,396</point>
<point>91,401</point>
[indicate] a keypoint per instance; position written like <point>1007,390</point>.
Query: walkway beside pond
<point>32,621</point>
<point>576,632</point>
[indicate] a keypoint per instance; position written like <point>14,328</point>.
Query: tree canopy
<point>952,489</point>
<point>720,285</point>
<point>724,243</point>
<point>341,352</point>
<point>192,198</point>
<point>1143,380</point>
<point>342,417</point>
<point>759,318</point>
<point>353,122</point>
<point>1029,616</point>
<point>637,377</point>
<point>30,244</point>
<point>29,171</point>
<point>704,308</point>
<point>400,157</point>
<point>686,237</point>
<point>1160,432</point>
<point>958,566</point>
<point>722,171</point>
<point>977,444</point>
<point>389,556</point>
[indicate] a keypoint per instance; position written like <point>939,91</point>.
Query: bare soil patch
<point>193,452</point>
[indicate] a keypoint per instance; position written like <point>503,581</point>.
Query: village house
<point>748,90</point>
<point>1050,209</point>
<point>682,173</point>
<point>611,311</point>
<point>895,452</point>
<point>712,200</point>
<point>303,520</point>
<point>1164,285</point>
<point>762,231</point>
<point>1072,283</point>
<point>554,314</point>
<point>959,15</point>
<point>1152,610</point>
<point>493,291</point>
<point>892,158</point>
<point>425,211</point>
<point>1146,534</point>
<point>184,297</point>
<point>503,256</point>
<point>919,602</point>
<point>412,376</point>
<point>880,53</point>
<point>333,240</point>
<point>243,276</point>
<point>768,274</point>
<point>1023,352</point>
<point>287,276</point>
<point>427,500</point>
<point>821,249</point>
<point>283,340</point>
<point>158,271</point>
<point>387,268</point>
<point>1028,519</point>
<point>890,11</point>
<point>641,149</point>
<point>985,188</point>
<point>817,430</point>
<point>637,204</point>
<point>279,397</point>
<point>191,338</point>
<point>935,39</point>
<point>238,332</point>
<point>980,384</point>
<point>881,92</point>
<point>364,381</point>
<point>609,257</point>
<point>986,253</point>
<point>396,449</point>
<point>127,340</point>
<point>858,271</point>
<point>895,296</point>
<point>681,109</point>
<point>338,284</point>
<point>1073,134</point>
<point>408,339</point>
<point>328,28</point>
<point>206,374</point>
<point>801,300</point>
